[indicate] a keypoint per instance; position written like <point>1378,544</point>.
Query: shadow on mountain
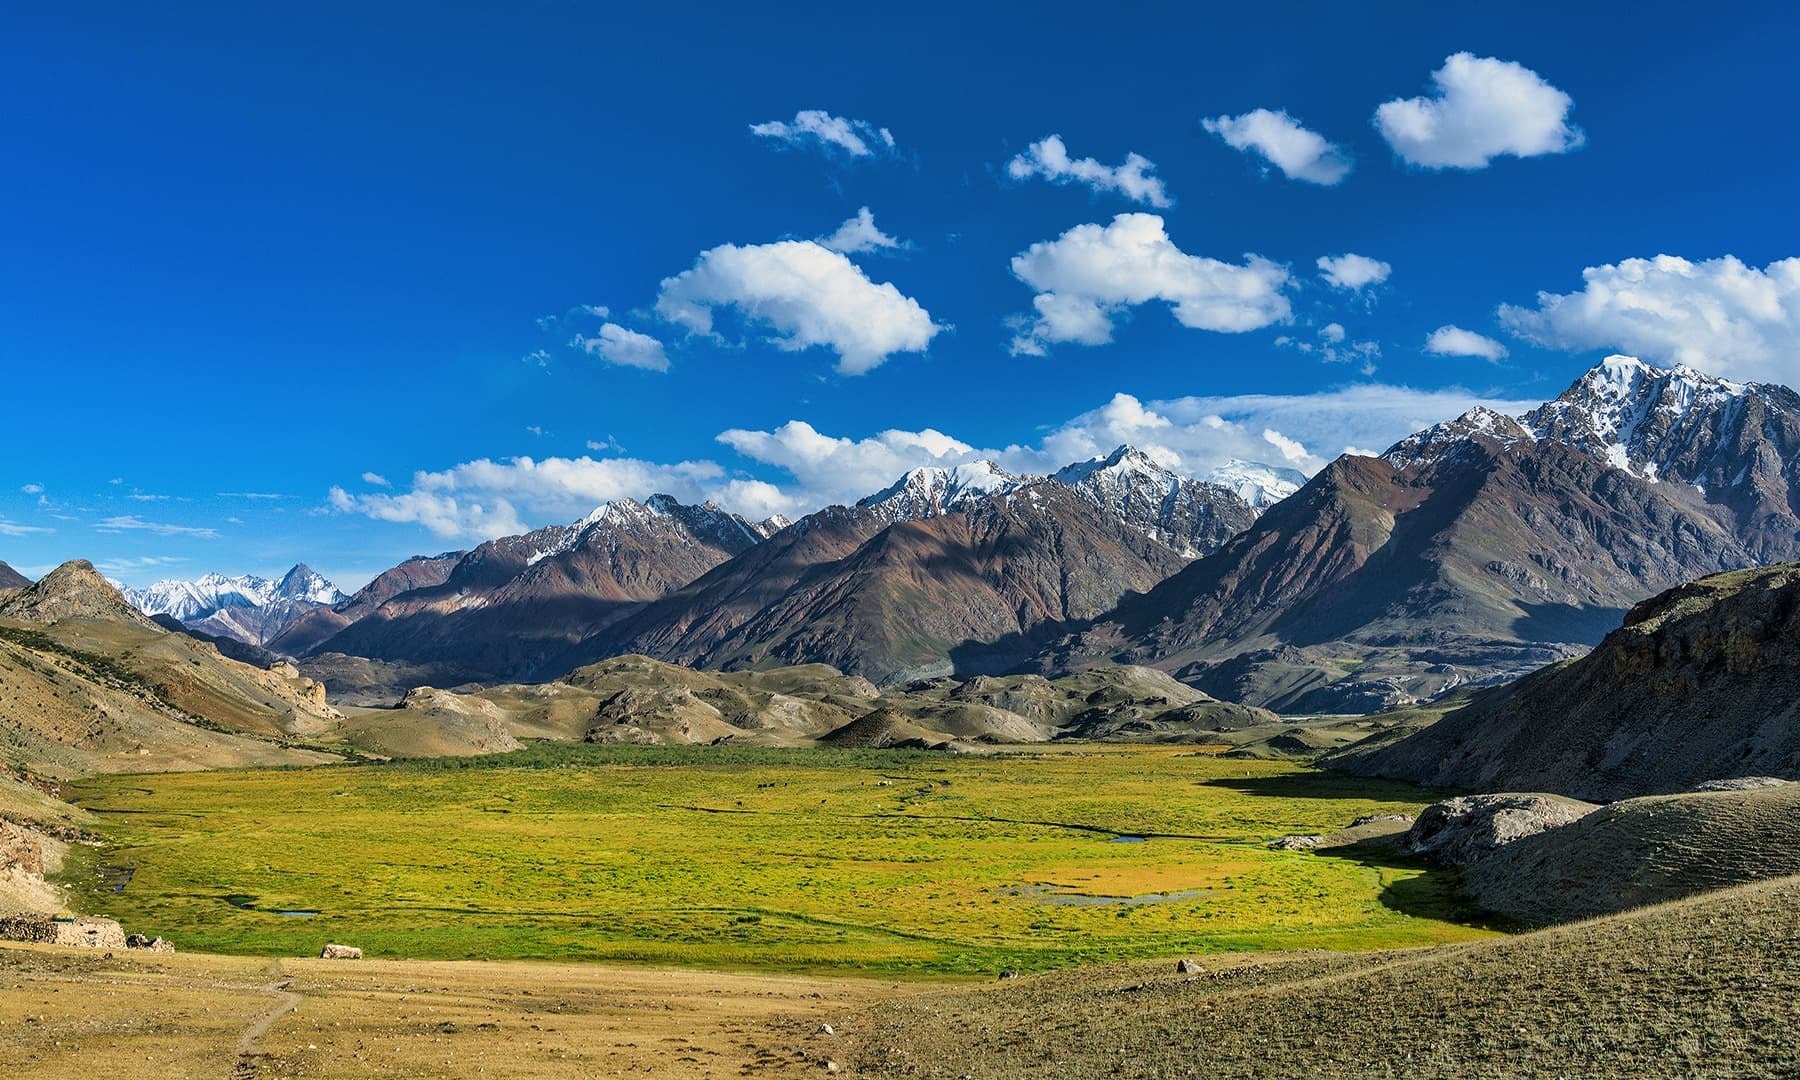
<point>1582,623</point>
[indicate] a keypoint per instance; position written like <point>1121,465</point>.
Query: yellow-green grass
<point>803,860</point>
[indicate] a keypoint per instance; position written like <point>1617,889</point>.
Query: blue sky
<point>306,255</point>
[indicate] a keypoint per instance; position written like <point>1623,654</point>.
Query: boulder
<point>1185,966</point>
<point>1296,842</point>
<point>1457,832</point>
<point>340,952</point>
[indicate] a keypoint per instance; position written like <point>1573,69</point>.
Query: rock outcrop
<point>1701,683</point>
<point>1460,831</point>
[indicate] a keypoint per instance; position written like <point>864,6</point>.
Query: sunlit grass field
<point>816,860</point>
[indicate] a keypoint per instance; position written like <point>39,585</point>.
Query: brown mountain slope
<point>89,685</point>
<point>893,604</point>
<point>1700,683</point>
<point>309,630</point>
<point>1479,549</point>
<point>512,602</point>
<point>12,579</point>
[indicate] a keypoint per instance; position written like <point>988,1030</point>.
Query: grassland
<point>809,860</point>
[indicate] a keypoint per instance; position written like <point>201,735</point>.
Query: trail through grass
<point>907,863</point>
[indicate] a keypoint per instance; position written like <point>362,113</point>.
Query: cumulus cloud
<point>375,478</point>
<point>1279,139</point>
<point>808,294</point>
<point>1718,314</point>
<point>833,134</point>
<point>1092,273</point>
<point>1450,340</point>
<point>627,348</point>
<point>132,523</point>
<point>1049,158</point>
<point>1352,272</point>
<point>1483,108</point>
<point>858,235</point>
<point>839,470</point>
<point>485,498</point>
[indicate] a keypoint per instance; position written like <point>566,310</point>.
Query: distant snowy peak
<point>1192,516</point>
<point>196,599</point>
<point>249,608</point>
<point>933,491</point>
<point>1262,486</point>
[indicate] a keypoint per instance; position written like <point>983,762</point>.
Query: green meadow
<point>804,860</point>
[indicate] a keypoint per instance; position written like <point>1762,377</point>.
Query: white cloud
<point>1450,340</point>
<point>1353,272</point>
<point>858,235</point>
<point>1333,347</point>
<point>857,138</point>
<point>132,523</point>
<point>375,478</point>
<point>1483,108</point>
<point>1719,314</point>
<point>1280,140</point>
<point>8,528</point>
<point>484,499</point>
<point>1332,333</point>
<point>254,496</point>
<point>1049,158</point>
<point>839,470</point>
<point>33,489</point>
<point>808,294</point>
<point>1292,451</point>
<point>1092,273</point>
<point>627,348</point>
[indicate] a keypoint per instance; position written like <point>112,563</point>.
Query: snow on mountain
<point>1631,415</point>
<point>932,491</point>
<point>1676,424</point>
<point>1262,486</point>
<point>246,607</point>
<point>1192,516</point>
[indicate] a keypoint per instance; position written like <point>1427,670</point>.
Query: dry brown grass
<point>1705,987</point>
<point>75,1013</point>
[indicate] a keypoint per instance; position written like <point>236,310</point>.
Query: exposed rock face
<point>74,590</point>
<point>12,579</point>
<point>48,930</point>
<point>1477,550</point>
<point>908,599</point>
<point>1459,831</point>
<point>246,608</point>
<point>1699,684</point>
<point>305,633</point>
<point>340,952</point>
<point>511,603</point>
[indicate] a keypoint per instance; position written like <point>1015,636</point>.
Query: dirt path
<point>249,1048</point>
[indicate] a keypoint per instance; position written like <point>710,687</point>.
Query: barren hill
<point>1700,683</point>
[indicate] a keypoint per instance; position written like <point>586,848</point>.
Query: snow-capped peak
<point>931,491</point>
<point>270,602</point>
<point>1631,414</point>
<point>1260,485</point>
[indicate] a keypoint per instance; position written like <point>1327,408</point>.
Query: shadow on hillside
<point>1567,622</point>
<point>1321,784</point>
<point>1434,893</point>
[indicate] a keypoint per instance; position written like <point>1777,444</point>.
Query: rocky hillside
<point>510,603</point>
<point>305,633</point>
<point>12,579</point>
<point>1477,550</point>
<point>635,699</point>
<point>945,567</point>
<point>1701,683</point>
<point>88,684</point>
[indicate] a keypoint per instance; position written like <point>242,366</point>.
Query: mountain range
<point>888,587</point>
<point>1477,550</point>
<point>245,608</point>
